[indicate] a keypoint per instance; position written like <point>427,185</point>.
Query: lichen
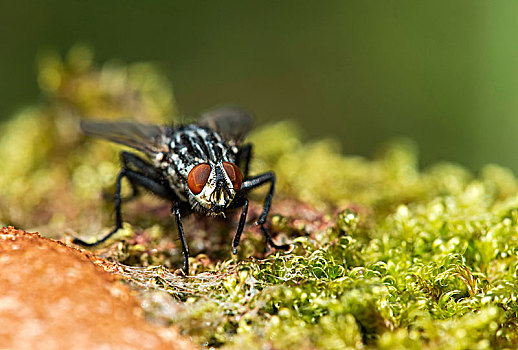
<point>385,254</point>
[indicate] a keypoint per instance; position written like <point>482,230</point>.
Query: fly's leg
<point>240,226</point>
<point>130,161</point>
<point>146,178</point>
<point>244,155</point>
<point>256,182</point>
<point>270,240</point>
<point>185,249</point>
<point>118,216</point>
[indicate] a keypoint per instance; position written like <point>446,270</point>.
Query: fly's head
<point>214,185</point>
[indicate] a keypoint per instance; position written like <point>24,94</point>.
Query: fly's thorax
<point>187,147</point>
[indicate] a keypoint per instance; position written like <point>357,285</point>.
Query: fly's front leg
<point>243,158</point>
<point>185,249</point>
<point>256,182</point>
<point>240,226</point>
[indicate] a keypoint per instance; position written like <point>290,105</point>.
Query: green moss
<point>385,255</point>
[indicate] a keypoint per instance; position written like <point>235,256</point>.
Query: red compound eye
<point>198,177</point>
<point>234,174</point>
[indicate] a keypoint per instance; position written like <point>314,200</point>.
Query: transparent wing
<point>233,123</point>
<point>142,137</point>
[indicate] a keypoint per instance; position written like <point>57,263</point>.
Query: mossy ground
<point>385,255</point>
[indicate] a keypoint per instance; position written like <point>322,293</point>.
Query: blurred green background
<point>442,73</point>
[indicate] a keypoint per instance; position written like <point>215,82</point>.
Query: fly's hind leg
<point>256,182</point>
<point>132,161</point>
<point>146,177</point>
<point>118,217</point>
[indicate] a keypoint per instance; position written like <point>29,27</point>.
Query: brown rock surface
<point>53,297</point>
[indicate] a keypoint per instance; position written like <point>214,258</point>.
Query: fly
<point>196,167</point>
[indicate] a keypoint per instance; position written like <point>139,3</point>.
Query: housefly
<point>200,167</point>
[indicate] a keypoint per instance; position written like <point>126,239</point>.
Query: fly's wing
<point>232,123</point>
<point>142,137</point>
